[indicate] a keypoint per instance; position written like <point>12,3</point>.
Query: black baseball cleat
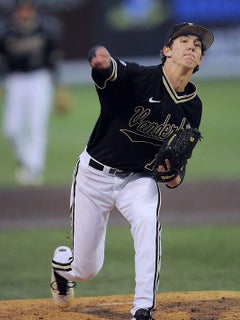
<point>142,314</point>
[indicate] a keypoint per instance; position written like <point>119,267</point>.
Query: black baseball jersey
<point>139,110</point>
<point>30,49</point>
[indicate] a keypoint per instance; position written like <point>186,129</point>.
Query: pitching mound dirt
<point>205,305</point>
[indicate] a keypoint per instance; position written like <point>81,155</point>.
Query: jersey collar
<point>177,98</point>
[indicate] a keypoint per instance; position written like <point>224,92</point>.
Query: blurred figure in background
<point>29,52</point>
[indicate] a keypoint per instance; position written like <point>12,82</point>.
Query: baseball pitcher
<point>145,134</point>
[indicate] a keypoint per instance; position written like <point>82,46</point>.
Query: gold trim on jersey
<point>173,94</point>
<point>112,77</point>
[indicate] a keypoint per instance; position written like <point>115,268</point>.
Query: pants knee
<point>84,273</point>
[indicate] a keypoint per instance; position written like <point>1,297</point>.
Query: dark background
<point>129,27</point>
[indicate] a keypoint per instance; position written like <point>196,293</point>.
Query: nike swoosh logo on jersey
<point>151,100</point>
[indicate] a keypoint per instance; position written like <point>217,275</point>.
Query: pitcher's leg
<point>90,209</point>
<point>89,240</point>
<point>141,197</point>
<point>147,266</point>
<point>90,212</point>
<point>89,231</point>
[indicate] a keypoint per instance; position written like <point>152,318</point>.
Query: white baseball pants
<point>28,102</point>
<point>93,196</point>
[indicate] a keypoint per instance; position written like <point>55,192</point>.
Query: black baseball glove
<point>178,149</point>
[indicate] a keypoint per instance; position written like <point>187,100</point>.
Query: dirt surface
<point>205,305</point>
<point>209,203</point>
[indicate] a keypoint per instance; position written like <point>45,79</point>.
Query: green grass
<point>194,258</point>
<point>216,156</point>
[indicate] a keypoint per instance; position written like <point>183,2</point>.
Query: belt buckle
<point>119,173</point>
<point>122,174</point>
<point>113,171</point>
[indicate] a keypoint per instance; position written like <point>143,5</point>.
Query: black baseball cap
<point>188,28</point>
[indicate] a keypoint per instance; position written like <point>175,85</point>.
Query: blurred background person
<point>29,55</point>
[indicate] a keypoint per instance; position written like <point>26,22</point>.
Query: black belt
<point>116,172</point>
